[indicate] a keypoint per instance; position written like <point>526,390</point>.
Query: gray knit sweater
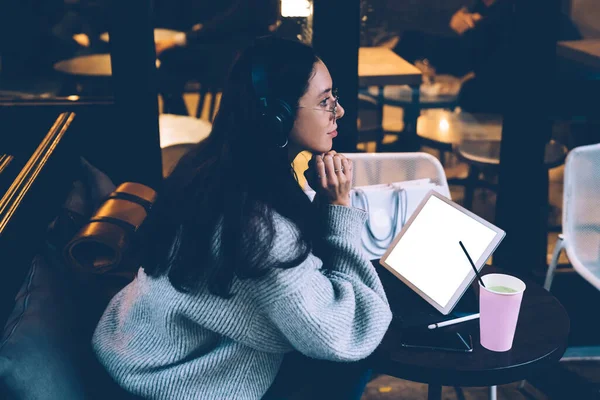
<point>159,343</point>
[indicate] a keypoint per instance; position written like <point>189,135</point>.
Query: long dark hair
<point>232,183</point>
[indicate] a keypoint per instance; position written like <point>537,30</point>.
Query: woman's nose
<point>340,111</point>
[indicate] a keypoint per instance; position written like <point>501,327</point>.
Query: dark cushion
<point>40,351</point>
<point>45,350</point>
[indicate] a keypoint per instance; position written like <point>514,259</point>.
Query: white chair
<point>581,216</point>
<point>581,226</point>
<point>376,168</point>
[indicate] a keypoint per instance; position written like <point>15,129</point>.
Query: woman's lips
<point>333,133</point>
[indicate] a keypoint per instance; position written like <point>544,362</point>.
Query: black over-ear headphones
<point>277,114</point>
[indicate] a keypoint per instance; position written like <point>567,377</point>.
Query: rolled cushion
<point>103,242</point>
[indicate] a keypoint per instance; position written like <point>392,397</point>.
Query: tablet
<point>426,254</point>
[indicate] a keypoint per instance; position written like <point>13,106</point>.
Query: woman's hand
<point>330,175</point>
<point>463,20</point>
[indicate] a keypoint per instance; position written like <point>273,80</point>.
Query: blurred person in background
<point>475,50</point>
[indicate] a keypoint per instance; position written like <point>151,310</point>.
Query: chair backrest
<point>581,211</point>
<point>214,103</point>
<point>376,168</point>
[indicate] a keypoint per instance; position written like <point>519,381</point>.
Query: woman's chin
<point>324,148</point>
<point>320,148</point>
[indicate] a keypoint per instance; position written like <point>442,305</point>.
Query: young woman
<point>241,268</point>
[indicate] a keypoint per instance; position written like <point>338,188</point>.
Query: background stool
<point>482,154</point>
<point>178,135</point>
<point>440,130</point>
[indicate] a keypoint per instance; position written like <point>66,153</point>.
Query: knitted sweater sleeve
<point>333,307</point>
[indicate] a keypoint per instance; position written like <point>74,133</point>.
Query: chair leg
<point>378,141</point>
<point>470,186</point>
<point>434,392</point>
<point>493,392</point>
<point>442,157</point>
<point>200,108</point>
<point>213,104</point>
<point>552,267</point>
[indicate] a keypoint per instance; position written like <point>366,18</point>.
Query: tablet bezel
<point>479,263</point>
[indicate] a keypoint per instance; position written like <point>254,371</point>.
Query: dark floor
<point>387,388</point>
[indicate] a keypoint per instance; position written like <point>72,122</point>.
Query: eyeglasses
<point>332,109</point>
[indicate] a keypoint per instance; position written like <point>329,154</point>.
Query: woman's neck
<point>293,152</point>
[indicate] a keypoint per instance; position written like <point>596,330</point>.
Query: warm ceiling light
<point>444,125</point>
<point>296,8</point>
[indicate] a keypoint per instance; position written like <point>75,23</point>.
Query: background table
<point>93,65</point>
<point>87,74</point>
<point>540,341</point>
<point>159,34</point>
<point>379,66</point>
<point>586,52</point>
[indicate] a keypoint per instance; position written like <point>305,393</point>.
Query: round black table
<point>540,341</point>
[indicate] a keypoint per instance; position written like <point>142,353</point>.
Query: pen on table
<point>453,321</point>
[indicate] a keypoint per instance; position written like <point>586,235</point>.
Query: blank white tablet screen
<point>429,255</point>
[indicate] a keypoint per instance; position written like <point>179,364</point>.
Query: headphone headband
<point>259,82</point>
<point>277,113</point>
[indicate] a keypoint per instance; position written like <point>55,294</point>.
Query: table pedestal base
<point>434,392</point>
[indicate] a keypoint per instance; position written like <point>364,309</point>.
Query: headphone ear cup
<point>284,116</point>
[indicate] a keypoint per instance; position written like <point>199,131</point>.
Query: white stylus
<point>453,321</point>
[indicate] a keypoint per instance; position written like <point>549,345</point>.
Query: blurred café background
<point>500,91</point>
